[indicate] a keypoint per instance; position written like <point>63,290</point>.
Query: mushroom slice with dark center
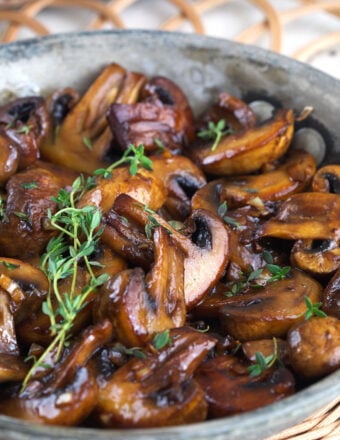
<point>12,366</point>
<point>206,253</point>
<point>331,296</point>
<point>140,306</point>
<point>318,257</point>
<point>248,150</point>
<point>65,393</point>
<point>158,390</point>
<point>26,123</point>
<point>229,389</point>
<point>310,215</point>
<point>182,178</point>
<point>270,311</point>
<point>327,179</point>
<point>236,113</point>
<point>314,347</point>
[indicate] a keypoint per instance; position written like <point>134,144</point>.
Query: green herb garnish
<point>10,266</point>
<point>162,339</point>
<point>263,363</point>
<point>313,309</point>
<point>29,185</point>
<point>215,132</point>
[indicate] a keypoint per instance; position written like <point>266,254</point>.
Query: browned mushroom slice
<point>158,390</point>
<point>309,215</point>
<point>229,389</point>
<point>248,150</point>
<point>314,347</point>
<point>28,200</point>
<point>83,137</point>
<point>235,112</point>
<point>181,178</point>
<point>26,285</point>
<point>207,251</point>
<point>59,105</point>
<point>270,311</point>
<point>26,123</point>
<point>327,179</point>
<point>290,178</point>
<point>144,187</point>
<point>319,257</point>
<point>12,367</point>
<point>164,117</point>
<point>34,326</point>
<point>331,296</point>
<point>109,262</point>
<point>127,240</point>
<point>9,158</point>
<point>267,348</point>
<point>140,306</point>
<point>65,394</point>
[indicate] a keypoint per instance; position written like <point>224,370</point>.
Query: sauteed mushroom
<point>248,150</point>
<point>331,296</point>
<point>65,394</point>
<point>327,179</point>
<point>158,390</point>
<point>140,306</point>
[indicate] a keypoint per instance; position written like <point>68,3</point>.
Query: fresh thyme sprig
<point>133,155</point>
<point>79,232</point>
<point>162,339</point>
<point>313,309</point>
<point>263,363</point>
<point>152,222</point>
<point>215,132</point>
<point>221,210</point>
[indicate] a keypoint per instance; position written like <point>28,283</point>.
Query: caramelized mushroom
<point>229,389</point>
<point>234,111</point>
<point>327,179</point>
<point>308,215</point>
<point>270,311</point>
<point>331,296</point>
<point>26,123</point>
<point>248,150</point>
<point>9,158</point>
<point>12,367</point>
<point>144,187</point>
<point>158,390</point>
<point>81,141</point>
<point>140,306</point>
<point>314,347</point>
<point>318,257</point>
<point>163,117</point>
<point>63,395</point>
<point>28,200</point>
<point>206,252</point>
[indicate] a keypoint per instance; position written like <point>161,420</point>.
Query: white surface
<point>225,21</point>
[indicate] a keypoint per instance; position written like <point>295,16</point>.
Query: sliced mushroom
<point>248,150</point>
<point>127,240</point>
<point>12,367</point>
<point>229,389</point>
<point>327,179</point>
<point>270,311</point>
<point>181,178</point>
<point>331,296</point>
<point>79,142</point>
<point>235,112</point>
<point>318,257</point>
<point>206,252</point>
<point>290,178</point>
<point>9,158</point>
<point>59,105</point>
<point>140,306</point>
<point>28,201</point>
<point>314,347</point>
<point>158,390</point>
<point>308,215</point>
<point>26,123</point>
<point>66,394</point>
<point>144,187</point>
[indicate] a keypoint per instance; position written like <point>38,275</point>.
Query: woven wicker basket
<point>18,14</point>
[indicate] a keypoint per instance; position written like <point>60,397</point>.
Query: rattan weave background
<point>20,19</point>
